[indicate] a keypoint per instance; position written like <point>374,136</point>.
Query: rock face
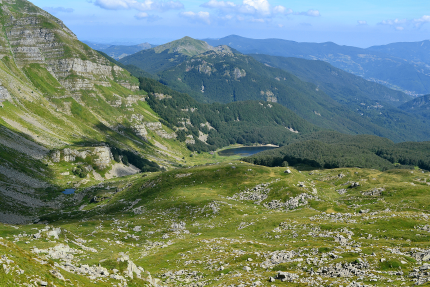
<point>35,37</point>
<point>158,128</point>
<point>104,157</point>
<point>141,131</point>
<point>4,94</point>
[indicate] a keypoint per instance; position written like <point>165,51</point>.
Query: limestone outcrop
<point>35,37</point>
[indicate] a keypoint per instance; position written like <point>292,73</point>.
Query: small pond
<point>245,151</point>
<point>69,191</point>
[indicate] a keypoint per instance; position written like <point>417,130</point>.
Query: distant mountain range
<point>320,93</point>
<point>401,66</point>
<point>119,51</point>
<point>417,52</point>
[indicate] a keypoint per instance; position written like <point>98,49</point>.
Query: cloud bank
<point>146,5</point>
<point>257,8</point>
<point>197,17</point>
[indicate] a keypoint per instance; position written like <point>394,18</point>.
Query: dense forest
<point>247,122</point>
<point>341,102</point>
<point>333,150</point>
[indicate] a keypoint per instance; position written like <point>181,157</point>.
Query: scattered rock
<point>355,184</point>
<point>286,276</point>
<point>247,268</point>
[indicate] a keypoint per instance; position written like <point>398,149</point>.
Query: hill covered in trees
<point>226,76</point>
<point>418,106</point>
<point>216,125</point>
<point>335,150</point>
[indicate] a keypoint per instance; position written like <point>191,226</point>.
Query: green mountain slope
<point>212,126</point>
<point>372,100</point>
<point>224,76</point>
<point>394,72</point>
<point>69,117</point>
<point>420,106</point>
<point>338,84</point>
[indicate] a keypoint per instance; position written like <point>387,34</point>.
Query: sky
<point>360,23</point>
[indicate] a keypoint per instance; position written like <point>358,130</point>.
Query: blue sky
<point>361,23</point>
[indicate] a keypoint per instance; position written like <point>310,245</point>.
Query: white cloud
<point>145,5</point>
<point>393,22</point>
<point>282,10</point>
<point>199,16</point>
<point>258,8</point>
<point>360,22</point>
<point>310,12</point>
<point>399,24</point>
<point>421,21</point>
<point>147,17</point>
<point>219,4</point>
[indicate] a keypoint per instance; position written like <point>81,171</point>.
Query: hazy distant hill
<point>420,105</point>
<point>119,51</point>
<point>374,65</point>
<point>418,52</point>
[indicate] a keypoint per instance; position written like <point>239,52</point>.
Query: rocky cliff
<point>62,106</point>
<point>32,36</point>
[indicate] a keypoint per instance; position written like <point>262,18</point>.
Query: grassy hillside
<point>151,208</point>
<point>69,117</point>
<point>170,228</point>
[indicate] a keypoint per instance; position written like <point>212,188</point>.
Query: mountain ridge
<point>235,77</point>
<point>372,65</point>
